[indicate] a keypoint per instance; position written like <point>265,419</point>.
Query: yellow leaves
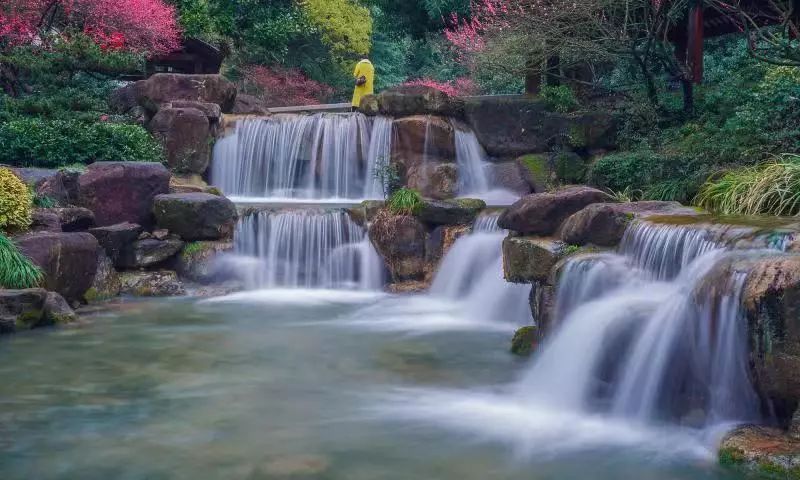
<point>346,26</point>
<point>15,202</point>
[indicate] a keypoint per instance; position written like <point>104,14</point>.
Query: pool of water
<point>301,384</point>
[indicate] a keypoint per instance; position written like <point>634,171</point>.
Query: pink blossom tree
<point>279,87</point>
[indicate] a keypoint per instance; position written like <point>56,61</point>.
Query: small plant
<point>559,98</point>
<point>405,201</point>
<point>15,202</point>
<point>389,177</point>
<point>571,249</point>
<point>41,201</point>
<point>771,188</point>
<point>626,195</point>
<point>191,249</point>
<point>16,270</point>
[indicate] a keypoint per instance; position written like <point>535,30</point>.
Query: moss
<point>570,167</point>
<point>214,191</point>
<point>577,137</point>
<point>94,295</point>
<point>524,340</point>
<point>730,457</point>
<point>470,203</point>
<point>28,320</point>
<point>192,249</point>
<point>538,168</point>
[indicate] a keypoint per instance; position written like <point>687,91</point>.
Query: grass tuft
<point>405,201</point>
<point>16,270</point>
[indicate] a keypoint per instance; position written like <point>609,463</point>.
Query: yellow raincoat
<point>364,69</point>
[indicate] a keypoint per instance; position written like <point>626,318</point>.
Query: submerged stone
<point>21,309</point>
<point>161,283</point>
<point>57,311</point>
<point>524,341</point>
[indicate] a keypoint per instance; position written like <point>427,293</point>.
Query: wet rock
<point>537,171</point>
<point>184,132</point>
<point>603,224</point>
<point>57,311</point>
<point>460,211</point>
<point>162,283</point>
<point>117,241</point>
<point>509,176</point>
<point>68,260</point>
<point>365,211</point>
<point>190,183</point>
<point>119,192</point>
<point>509,126</point>
<point>150,252</point>
<point>249,105</point>
<point>400,241</point>
<point>195,216</point>
<point>530,259</point>
<point>45,220</point>
<point>437,181</point>
<point>21,309</point>
<point>167,87</point>
<point>198,261</point>
<point>75,219</point>
<point>422,138</point>
<point>543,213</point>
<point>410,286</point>
<point>106,282</point>
<point>524,341</point>
<point>772,303</point>
<point>439,242</point>
<point>542,301</point>
<point>761,450</point>
<point>412,100</point>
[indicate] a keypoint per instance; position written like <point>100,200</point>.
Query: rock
<point>68,260</point>
<point>249,105</point>
<point>21,309</point>
<point>106,282</point>
<point>542,301</point>
<point>63,187</point>
<point>75,219</point>
<point>197,261</point>
<point>762,450</point>
<point>537,171</point>
<point>117,241</point>
<point>772,305</point>
<point>162,283</point>
<point>461,211</point>
<point>167,87</point>
<point>119,192</point>
<point>190,183</point>
<point>57,311</point>
<point>543,213</point>
<point>509,176</point>
<point>160,234</point>
<point>195,216</point>
<point>604,224</point>
<point>210,110</point>
<point>365,211</point>
<point>400,240</point>
<point>530,259</point>
<point>32,176</point>
<point>45,220</point>
<point>437,181</point>
<point>510,126</point>
<point>524,341</point>
<point>123,99</point>
<point>440,240</point>
<point>412,100</point>
<point>409,286</point>
<point>423,138</point>
<point>150,252</point>
<point>185,134</point>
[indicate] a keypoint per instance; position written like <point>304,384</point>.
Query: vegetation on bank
<point>16,270</point>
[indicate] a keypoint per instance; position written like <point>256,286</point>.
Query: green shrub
<point>405,201</point>
<point>16,270</point>
<point>15,202</point>
<point>38,142</point>
<point>771,188</point>
<point>559,98</point>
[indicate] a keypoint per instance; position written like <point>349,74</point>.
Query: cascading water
<point>472,273</point>
<point>307,248</point>
<point>475,179</point>
<point>323,156</point>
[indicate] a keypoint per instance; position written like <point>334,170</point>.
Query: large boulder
<point>117,241</point>
<point>75,219</point>
<point>412,100</point>
<point>61,186</point>
<point>195,216</point>
<point>45,220</point>
<point>68,260</point>
<point>122,191</point>
<point>450,212</point>
<point>423,138</point>
<point>151,251</point>
<point>184,132</point>
<point>400,241</point>
<point>57,311</point>
<point>166,87</point>
<point>439,242</point>
<point>106,282</point>
<point>518,125</point>
<point>198,261</point>
<point>433,180</point>
<point>21,309</point>
<point>530,259</point>
<point>509,176</point>
<point>161,283</point>
<point>604,224</point>
<point>211,110</point>
<point>543,213</point>
<point>772,303</point>
<point>249,105</point>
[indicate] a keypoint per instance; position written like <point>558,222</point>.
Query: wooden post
<point>695,42</point>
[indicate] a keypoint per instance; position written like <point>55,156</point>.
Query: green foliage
<point>405,201</point>
<point>41,201</point>
<point>53,143</point>
<point>16,270</point>
<point>389,177</point>
<point>559,98</point>
<point>192,249</point>
<point>625,196</point>
<point>524,341</point>
<point>771,188</point>
<point>346,26</point>
<point>730,457</point>
<point>15,202</point>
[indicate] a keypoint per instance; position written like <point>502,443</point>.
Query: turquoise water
<point>292,386</point>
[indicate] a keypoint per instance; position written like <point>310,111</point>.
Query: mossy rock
<point>524,340</point>
<point>536,170</point>
<point>569,167</point>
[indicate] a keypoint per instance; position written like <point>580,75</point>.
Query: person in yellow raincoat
<point>364,76</point>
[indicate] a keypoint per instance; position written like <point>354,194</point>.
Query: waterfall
<point>323,156</point>
<point>379,155</point>
<point>475,178</point>
<point>639,335</point>
<point>307,248</point>
<point>472,273</point>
